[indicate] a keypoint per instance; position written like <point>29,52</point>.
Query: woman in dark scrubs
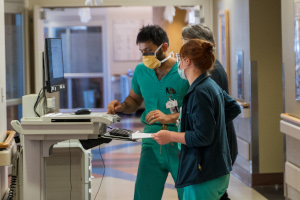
<point>205,163</point>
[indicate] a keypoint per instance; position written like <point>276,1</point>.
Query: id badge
<point>178,121</point>
<point>172,105</point>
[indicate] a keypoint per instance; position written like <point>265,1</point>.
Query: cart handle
<point>8,140</point>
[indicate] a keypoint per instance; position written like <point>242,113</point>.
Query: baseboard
<point>257,179</point>
<point>267,179</point>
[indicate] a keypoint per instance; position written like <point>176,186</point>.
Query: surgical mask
<point>180,71</point>
<point>150,60</point>
<point>182,74</point>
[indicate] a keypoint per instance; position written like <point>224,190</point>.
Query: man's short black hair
<point>153,33</point>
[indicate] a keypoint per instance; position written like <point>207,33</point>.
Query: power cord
<point>41,95</point>
<point>14,177</point>
<point>102,174</point>
<point>13,186</point>
<point>70,170</point>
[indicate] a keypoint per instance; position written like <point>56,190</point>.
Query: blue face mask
<point>180,71</point>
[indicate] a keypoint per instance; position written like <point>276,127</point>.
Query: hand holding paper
<point>139,135</point>
<point>162,137</point>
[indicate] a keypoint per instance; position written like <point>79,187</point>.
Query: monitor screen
<point>54,67</point>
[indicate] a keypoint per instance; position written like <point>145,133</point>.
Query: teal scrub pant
<point>210,190</point>
<point>156,162</point>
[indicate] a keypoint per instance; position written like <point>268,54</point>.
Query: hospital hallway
<point>121,159</point>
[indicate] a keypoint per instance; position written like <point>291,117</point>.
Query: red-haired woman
<point>205,163</point>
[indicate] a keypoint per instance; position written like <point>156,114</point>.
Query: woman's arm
<point>164,137</point>
<point>203,120</point>
<point>203,123</point>
<point>232,108</point>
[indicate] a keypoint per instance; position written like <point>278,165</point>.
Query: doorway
<point>85,72</point>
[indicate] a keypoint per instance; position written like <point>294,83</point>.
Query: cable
<point>14,177</point>
<point>70,170</point>
<point>13,186</point>
<point>102,174</point>
<point>36,103</point>
<point>38,100</point>
<point>45,101</point>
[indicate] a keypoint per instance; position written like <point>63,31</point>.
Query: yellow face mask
<point>150,60</point>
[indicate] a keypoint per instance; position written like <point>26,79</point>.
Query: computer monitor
<point>54,67</point>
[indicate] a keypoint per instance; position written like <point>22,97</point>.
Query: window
<point>83,62</point>
<point>14,66</point>
<point>83,68</point>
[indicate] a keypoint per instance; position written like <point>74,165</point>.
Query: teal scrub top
<point>154,92</point>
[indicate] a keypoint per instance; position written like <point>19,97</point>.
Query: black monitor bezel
<point>52,82</point>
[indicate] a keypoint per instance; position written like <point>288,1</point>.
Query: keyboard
<point>120,132</point>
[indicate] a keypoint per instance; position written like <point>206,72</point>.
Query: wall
<point>124,13</point>
<point>266,49</point>
<point>239,38</point>
<point>239,41</point>
<point>173,29</point>
<point>255,29</point>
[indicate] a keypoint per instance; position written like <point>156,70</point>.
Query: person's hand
<point>162,137</point>
<point>157,116</point>
<point>115,106</point>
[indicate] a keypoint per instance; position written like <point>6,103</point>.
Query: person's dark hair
<point>200,52</point>
<point>153,33</point>
<point>198,31</point>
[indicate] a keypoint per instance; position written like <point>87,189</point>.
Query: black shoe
<point>90,143</point>
<point>225,196</point>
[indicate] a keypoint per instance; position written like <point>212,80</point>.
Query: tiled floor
<point>121,161</point>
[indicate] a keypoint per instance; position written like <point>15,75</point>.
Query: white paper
<point>141,135</point>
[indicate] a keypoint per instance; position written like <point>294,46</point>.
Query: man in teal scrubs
<point>155,81</point>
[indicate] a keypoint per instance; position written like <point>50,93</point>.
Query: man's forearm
<point>172,118</point>
<point>130,105</point>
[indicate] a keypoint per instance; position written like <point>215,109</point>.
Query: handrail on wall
<point>291,118</point>
<point>243,104</point>
<point>8,140</point>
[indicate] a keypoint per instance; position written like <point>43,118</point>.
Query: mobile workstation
<point>39,132</point>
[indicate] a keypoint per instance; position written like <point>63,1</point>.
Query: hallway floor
<point>120,163</point>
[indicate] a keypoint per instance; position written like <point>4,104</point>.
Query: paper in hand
<point>139,135</point>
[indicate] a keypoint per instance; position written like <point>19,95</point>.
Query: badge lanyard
<point>172,104</point>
